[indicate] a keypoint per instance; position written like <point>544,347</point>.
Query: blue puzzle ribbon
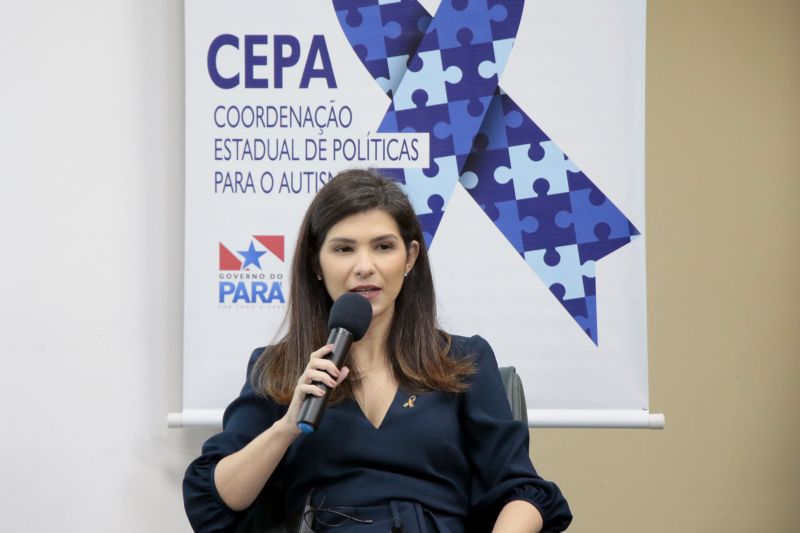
<point>442,76</point>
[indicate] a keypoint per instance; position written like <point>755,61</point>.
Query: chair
<point>259,517</point>
<point>515,393</point>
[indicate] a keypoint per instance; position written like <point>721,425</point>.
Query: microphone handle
<point>314,406</point>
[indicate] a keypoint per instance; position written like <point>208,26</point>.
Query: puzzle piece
<point>477,177</point>
<point>397,32</point>
<point>582,310</point>
<point>421,121</point>
<point>379,70</point>
<point>575,307</point>
<point>587,321</point>
<point>478,173</point>
<point>413,20</point>
<point>395,68</point>
<point>365,31</point>
<point>493,126</point>
<point>561,266</point>
<point>468,59</point>
<point>545,208</point>
<point>528,166</point>
<point>425,74</point>
<point>507,28</point>
<point>501,50</point>
<point>590,210</point>
<point>476,15</point>
<point>495,122</point>
<point>520,129</point>
<point>465,121</point>
<point>438,180</point>
<point>506,218</point>
<point>593,251</point>
<point>430,222</point>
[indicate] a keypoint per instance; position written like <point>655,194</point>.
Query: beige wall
<point>723,185</point>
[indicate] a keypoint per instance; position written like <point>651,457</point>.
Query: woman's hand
<point>241,476</point>
<point>518,516</point>
<point>320,370</point>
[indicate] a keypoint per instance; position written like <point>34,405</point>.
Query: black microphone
<point>348,322</point>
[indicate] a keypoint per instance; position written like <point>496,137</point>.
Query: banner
<point>516,128</point>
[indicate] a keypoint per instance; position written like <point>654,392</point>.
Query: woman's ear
<point>411,257</point>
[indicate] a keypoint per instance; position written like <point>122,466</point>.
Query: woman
<point>418,435</point>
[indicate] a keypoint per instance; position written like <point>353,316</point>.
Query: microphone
<point>348,323</point>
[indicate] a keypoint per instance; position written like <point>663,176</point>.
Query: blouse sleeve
<point>244,419</point>
<point>497,447</point>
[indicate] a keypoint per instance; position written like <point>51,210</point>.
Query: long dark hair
<point>417,348</point>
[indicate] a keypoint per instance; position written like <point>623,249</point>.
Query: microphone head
<point>351,312</point>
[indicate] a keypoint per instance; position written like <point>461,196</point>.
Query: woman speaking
<point>418,435</point>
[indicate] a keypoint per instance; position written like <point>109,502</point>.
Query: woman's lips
<point>370,293</point>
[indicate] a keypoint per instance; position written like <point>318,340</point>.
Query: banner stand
<point>537,418</point>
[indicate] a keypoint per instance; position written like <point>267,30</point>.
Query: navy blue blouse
<point>462,456</point>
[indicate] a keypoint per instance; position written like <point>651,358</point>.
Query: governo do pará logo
<point>251,271</point>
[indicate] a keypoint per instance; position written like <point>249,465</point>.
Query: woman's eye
<point>385,246</point>
<point>342,249</point>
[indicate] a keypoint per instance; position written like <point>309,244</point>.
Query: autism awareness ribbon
<point>442,76</point>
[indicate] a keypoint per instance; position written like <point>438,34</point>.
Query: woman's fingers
<point>321,370</point>
<point>343,374</point>
<point>320,376</point>
<point>322,352</point>
<point>318,362</point>
<point>307,388</point>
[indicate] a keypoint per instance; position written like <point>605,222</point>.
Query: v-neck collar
<point>385,414</point>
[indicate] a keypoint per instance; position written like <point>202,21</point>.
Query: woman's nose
<point>364,265</point>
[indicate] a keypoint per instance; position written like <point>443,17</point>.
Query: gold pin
<point>410,402</point>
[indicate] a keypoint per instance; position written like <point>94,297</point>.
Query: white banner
<point>280,96</point>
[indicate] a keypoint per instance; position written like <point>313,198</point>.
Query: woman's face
<point>365,253</point>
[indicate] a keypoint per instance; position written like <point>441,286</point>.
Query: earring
<point>319,278</point>
<point>405,275</point>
